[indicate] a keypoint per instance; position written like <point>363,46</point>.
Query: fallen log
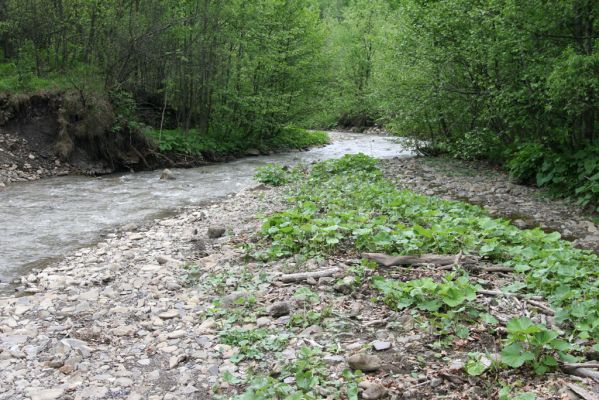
<point>302,276</point>
<point>583,372</point>
<point>436,259</point>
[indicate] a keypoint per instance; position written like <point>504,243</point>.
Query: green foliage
<point>194,143</point>
<point>574,174</point>
<point>252,343</point>
<point>347,204</point>
<point>426,294</point>
<point>533,344</point>
<point>311,381</point>
<point>477,364</point>
<point>272,174</point>
<point>524,164</point>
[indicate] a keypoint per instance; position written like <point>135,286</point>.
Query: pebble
<point>279,309</point>
<point>364,362</point>
<point>372,390</point>
<point>379,345</point>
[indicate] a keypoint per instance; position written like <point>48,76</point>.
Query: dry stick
<point>302,276</point>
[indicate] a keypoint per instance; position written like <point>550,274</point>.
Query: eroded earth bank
<point>175,309</point>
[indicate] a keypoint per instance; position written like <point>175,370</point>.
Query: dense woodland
<point>516,82</point>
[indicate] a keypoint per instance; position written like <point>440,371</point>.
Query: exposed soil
<point>57,133</point>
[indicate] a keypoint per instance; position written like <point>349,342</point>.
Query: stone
<point>364,362</point>
<point>170,314</point>
<point>380,345</point>
<point>345,285</point>
<point>124,382</point>
<point>235,298</point>
<point>279,309</point>
<point>215,232</point>
<point>252,152</point>
<point>47,394</point>
<point>372,390</point>
<point>174,361</point>
<point>167,174</point>
<point>333,359</point>
<point>79,346</point>
<point>262,322</point>
<point>176,334</point>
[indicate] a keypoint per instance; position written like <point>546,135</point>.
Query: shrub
<point>525,162</point>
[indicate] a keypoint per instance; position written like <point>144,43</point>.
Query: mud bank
<point>57,133</point>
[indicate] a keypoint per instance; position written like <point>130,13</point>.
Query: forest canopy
<point>516,82</point>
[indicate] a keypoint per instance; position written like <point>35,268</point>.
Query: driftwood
<point>446,262</point>
<point>302,276</point>
<point>582,392</point>
<point>436,259</point>
<point>583,372</point>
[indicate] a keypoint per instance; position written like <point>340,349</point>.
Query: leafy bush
<point>575,175</point>
<point>273,174</point>
<point>524,164</point>
<point>530,343</point>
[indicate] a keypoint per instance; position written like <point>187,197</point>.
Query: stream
<point>46,219</point>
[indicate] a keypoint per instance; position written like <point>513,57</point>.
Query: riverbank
<point>478,183</point>
<point>174,309</point>
<point>68,132</point>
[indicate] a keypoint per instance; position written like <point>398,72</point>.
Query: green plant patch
<point>347,205</point>
<point>193,143</point>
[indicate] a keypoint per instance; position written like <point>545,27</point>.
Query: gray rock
<point>215,232</point>
<point>380,345</point>
<point>372,390</point>
<point>345,285</point>
<point>167,174</point>
<point>279,309</point>
<point>333,359</point>
<point>252,152</point>
<point>47,394</point>
<point>170,314</point>
<point>364,362</point>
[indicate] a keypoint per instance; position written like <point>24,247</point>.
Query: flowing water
<point>46,219</point>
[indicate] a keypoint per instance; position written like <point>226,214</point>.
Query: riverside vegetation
<point>345,207</point>
<point>511,82</point>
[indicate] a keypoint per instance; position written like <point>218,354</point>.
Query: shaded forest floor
<point>175,309</point>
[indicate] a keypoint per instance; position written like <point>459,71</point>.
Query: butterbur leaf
<point>544,337</point>
<point>522,325</point>
<point>515,356</point>
<point>431,305</point>
<point>489,319</point>
<point>475,367</point>
<point>525,396</point>
<point>453,297</point>
<point>550,361</point>
<point>560,345</point>
<point>305,380</point>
